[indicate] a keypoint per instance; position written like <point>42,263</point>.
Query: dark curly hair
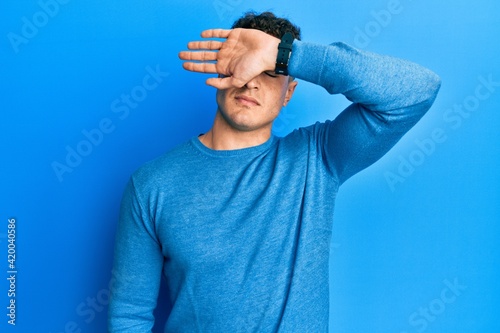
<point>268,23</point>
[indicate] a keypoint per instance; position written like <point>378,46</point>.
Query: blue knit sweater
<point>243,236</point>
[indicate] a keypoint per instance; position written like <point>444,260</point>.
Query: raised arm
<point>389,96</point>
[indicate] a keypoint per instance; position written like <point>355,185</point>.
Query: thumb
<point>222,82</point>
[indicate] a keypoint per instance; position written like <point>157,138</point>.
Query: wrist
<point>272,53</point>
<point>284,53</point>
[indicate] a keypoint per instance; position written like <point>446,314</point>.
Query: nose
<point>253,83</point>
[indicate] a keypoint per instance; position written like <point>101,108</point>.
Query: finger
<point>219,83</point>
<point>216,33</point>
<point>200,67</point>
<point>206,45</point>
<point>202,55</point>
<point>224,82</point>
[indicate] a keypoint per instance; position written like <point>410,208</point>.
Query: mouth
<point>246,100</point>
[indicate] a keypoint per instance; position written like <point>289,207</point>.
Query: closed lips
<point>247,99</point>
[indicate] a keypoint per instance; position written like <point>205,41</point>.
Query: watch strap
<point>284,52</point>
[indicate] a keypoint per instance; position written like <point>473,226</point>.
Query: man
<point>238,220</point>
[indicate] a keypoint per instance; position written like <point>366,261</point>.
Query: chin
<point>242,125</point>
<point>243,118</point>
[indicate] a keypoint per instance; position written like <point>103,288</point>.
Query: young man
<point>238,220</point>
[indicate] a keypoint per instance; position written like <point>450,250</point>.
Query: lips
<point>247,100</point>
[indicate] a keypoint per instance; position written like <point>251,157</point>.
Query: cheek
<point>220,97</point>
<point>280,94</point>
<point>276,99</point>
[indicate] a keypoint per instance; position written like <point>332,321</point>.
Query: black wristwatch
<point>284,52</point>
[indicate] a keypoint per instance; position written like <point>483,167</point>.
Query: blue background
<point>398,243</point>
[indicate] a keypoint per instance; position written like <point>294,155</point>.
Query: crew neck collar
<point>233,152</point>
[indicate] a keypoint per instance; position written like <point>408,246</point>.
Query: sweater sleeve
<point>389,96</point>
<point>137,267</point>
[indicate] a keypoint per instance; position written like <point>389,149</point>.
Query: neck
<point>223,136</point>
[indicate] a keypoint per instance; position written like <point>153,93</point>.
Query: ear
<point>289,92</point>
